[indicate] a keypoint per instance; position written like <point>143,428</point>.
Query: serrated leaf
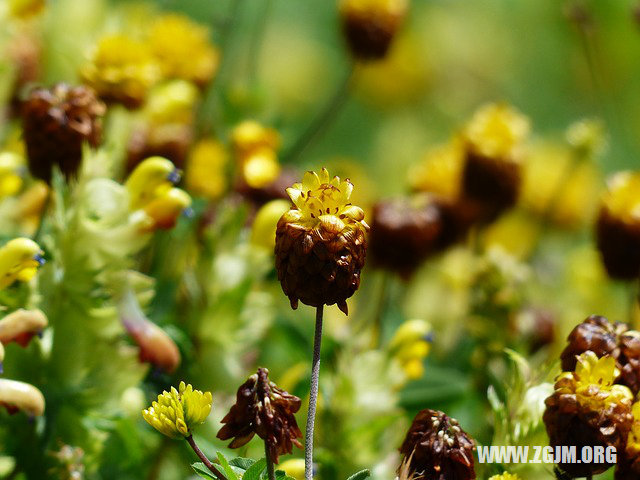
<point>361,475</point>
<point>242,463</point>
<point>255,470</point>
<point>229,473</point>
<point>202,470</point>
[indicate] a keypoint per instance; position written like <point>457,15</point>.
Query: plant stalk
<point>203,457</point>
<point>271,473</point>
<point>313,397</point>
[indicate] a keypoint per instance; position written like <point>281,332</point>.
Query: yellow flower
<point>205,172</point>
<point>165,209</point>
<point>122,70</point>
<point>19,260</point>
<point>151,179</point>
<point>440,171</point>
<point>263,231</point>
<point>591,372</point>
<point>497,131</point>
<point>175,413</point>
<point>15,396</point>
<point>324,202</point>
<point>183,49</point>
<point>25,8</point>
<point>20,326</point>
<point>410,345</point>
<point>516,232</point>
<point>622,198</point>
<point>11,165</point>
<point>250,136</point>
<point>293,467</point>
<point>261,168</point>
<point>505,476</point>
<point>172,102</point>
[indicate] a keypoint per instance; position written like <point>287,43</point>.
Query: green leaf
<point>361,475</point>
<point>282,475</point>
<point>202,470</point>
<point>254,472</point>
<point>229,473</point>
<point>242,463</point>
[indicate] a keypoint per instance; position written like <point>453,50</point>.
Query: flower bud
<point>16,396</point>
<point>20,326</point>
<point>151,179</point>
<point>19,261</point>
<point>175,413</point>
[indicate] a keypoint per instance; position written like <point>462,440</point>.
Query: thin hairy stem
<point>313,397</point>
<point>203,457</point>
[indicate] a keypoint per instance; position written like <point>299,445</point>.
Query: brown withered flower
<point>602,337</point>
<point>320,242</point>
<point>587,409</point>
<point>436,448</point>
<point>618,227</point>
<point>370,25</point>
<point>492,174</point>
<point>404,231</point>
<point>264,409</point>
<point>57,121</point>
<point>628,465</point>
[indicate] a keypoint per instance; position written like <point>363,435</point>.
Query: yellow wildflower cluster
<point>255,148</point>
<point>622,199</point>
<point>205,172</point>
<point>440,170</point>
<point>410,345</point>
<point>19,261</point>
<point>175,413</point>
<point>497,131</point>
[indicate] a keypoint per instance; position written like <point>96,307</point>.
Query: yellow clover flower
<point>255,148</point>
<point>11,165</point>
<point>497,131</point>
<point>183,50</point>
<point>440,171</point>
<point>505,476</point>
<point>205,171</point>
<point>622,198</point>
<point>175,413</point>
<point>19,260</point>
<point>410,345</point>
<point>122,70</point>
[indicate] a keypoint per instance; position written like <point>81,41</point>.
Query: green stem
<point>256,39</point>
<point>313,397</point>
<point>322,121</point>
<point>203,457</point>
<point>271,473</point>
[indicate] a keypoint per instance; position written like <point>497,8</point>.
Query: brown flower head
<point>628,466</point>
<point>436,448</point>
<point>587,409</point>
<point>264,409</point>
<point>320,242</point>
<point>404,232</point>
<point>602,337</point>
<point>57,121</point>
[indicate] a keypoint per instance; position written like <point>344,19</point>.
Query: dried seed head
<point>437,448</point>
<point>264,409</point>
<point>57,122</point>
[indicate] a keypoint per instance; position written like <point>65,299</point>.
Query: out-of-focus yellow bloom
<point>440,170</point>
<point>165,209</point>
<point>263,231</point>
<point>16,396</point>
<point>121,69</point>
<point>172,102</point>
<point>183,49</point>
<point>505,476</point>
<point>587,137</point>
<point>205,172</point>
<point>515,232</point>
<point>151,179</point>
<point>11,165</point>
<point>19,260</point>
<point>410,345</point>
<point>571,204</point>
<point>593,371</point>
<point>622,198</point>
<point>30,206</point>
<point>293,467</point>
<point>249,136</point>
<point>20,326</point>
<point>25,8</point>
<point>497,130</point>
<point>175,413</point>
<point>255,149</point>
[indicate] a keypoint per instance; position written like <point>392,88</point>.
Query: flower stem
<point>323,119</point>
<point>271,474</point>
<point>203,457</point>
<point>313,397</point>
